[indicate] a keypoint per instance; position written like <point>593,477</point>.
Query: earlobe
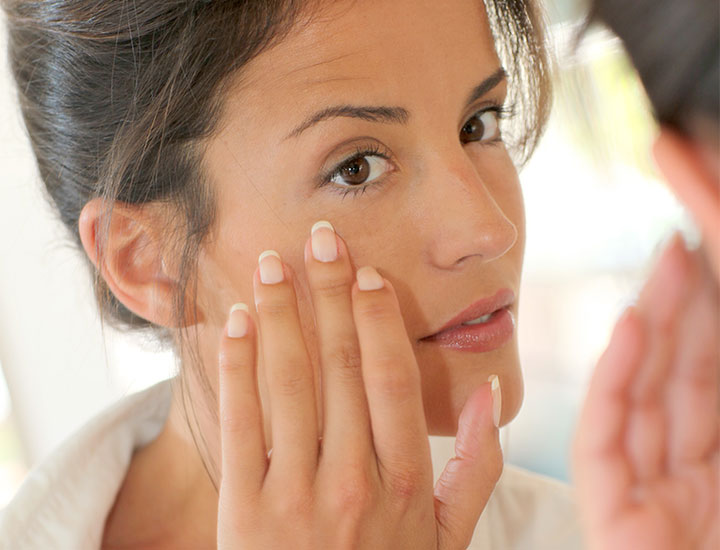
<point>130,258</point>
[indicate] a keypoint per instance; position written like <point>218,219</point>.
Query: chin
<point>449,377</point>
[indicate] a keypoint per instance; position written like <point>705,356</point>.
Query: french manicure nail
<point>324,245</point>
<point>497,398</point>
<point>271,269</point>
<point>369,279</point>
<point>238,324</point>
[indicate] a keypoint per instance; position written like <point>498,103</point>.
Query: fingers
<point>601,468</point>
<point>660,303</point>
<point>478,463</point>
<point>392,385</point>
<point>694,385</point>
<point>242,438</point>
<point>330,276</point>
<point>288,370</point>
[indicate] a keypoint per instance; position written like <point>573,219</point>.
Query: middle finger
<point>330,275</point>
<point>288,371</point>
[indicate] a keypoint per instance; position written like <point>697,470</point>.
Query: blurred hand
<point>645,455</point>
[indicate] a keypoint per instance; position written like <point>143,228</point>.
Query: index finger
<point>392,382</point>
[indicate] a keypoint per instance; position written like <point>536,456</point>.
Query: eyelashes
<point>361,152</point>
<point>382,156</point>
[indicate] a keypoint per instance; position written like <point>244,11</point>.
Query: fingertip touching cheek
<point>385,119</point>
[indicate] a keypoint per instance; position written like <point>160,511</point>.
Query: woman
<point>217,133</point>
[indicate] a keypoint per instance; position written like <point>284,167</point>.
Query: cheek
<point>224,278</point>
<point>227,265</point>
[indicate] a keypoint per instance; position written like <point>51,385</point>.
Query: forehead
<point>373,51</point>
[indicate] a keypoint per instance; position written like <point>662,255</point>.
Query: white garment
<point>64,501</point>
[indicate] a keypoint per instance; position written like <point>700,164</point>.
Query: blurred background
<point>597,216</point>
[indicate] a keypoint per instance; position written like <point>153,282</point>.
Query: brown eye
<point>481,127</point>
<point>356,171</point>
<point>360,170</point>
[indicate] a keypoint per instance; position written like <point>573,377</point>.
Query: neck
<point>167,499</point>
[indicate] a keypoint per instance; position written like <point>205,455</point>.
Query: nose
<point>464,216</point>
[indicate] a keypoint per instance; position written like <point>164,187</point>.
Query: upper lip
<point>502,298</point>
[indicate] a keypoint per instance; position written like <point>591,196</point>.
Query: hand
<point>369,484</point>
<point>645,456</point>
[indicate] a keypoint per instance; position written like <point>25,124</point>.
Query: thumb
<point>468,480</point>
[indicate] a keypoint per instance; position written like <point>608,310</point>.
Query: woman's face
<point>433,202</point>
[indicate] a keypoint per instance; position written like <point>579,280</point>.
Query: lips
<point>486,306</point>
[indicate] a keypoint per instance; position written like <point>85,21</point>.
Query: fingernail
<point>497,398</point>
<point>271,270</point>
<point>369,279</point>
<point>238,324</point>
<point>324,245</point>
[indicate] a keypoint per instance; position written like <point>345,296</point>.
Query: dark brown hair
<point>119,97</point>
<point>675,47</point>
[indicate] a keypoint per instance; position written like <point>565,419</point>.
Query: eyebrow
<point>396,115</point>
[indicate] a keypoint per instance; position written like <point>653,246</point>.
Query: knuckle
<point>406,483</point>
<point>346,358</point>
<point>353,494</point>
<point>274,308</point>
<point>389,380</point>
<point>376,311</point>
<point>235,422</point>
<point>290,385</point>
<point>296,505</point>
<point>229,362</point>
<point>332,287</point>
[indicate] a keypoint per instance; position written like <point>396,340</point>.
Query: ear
<point>687,172</point>
<point>133,265</point>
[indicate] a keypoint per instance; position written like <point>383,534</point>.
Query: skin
<point>692,169</point>
<point>454,213</point>
<point>445,228</point>
<point>646,457</point>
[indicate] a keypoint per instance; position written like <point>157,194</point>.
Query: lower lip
<point>488,336</point>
